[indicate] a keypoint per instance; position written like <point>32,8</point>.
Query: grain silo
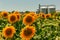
<point>51,8</point>
<point>46,9</point>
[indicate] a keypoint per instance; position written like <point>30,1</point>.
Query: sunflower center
<point>47,16</point>
<point>27,32</point>
<point>5,14</point>
<point>13,18</point>
<point>29,19</point>
<point>8,31</point>
<point>42,15</point>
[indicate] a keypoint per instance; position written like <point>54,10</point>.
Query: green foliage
<point>46,29</point>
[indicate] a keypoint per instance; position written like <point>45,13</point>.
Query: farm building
<point>46,8</point>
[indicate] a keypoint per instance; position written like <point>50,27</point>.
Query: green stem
<point>8,39</point>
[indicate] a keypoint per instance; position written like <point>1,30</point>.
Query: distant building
<point>46,8</point>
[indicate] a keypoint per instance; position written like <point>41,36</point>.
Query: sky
<point>26,5</point>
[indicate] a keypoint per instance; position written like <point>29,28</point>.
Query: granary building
<point>46,9</point>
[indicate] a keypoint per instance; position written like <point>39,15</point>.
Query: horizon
<point>26,5</point>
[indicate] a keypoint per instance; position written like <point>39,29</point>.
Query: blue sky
<point>24,5</point>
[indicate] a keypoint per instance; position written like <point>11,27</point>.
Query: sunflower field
<point>29,26</point>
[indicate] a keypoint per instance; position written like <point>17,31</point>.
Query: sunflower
<point>28,19</point>
<point>8,31</point>
<point>37,15</point>
<point>18,16</point>
<point>32,13</point>
<point>16,12</point>
<point>43,15</point>
<point>12,18</point>
<point>28,32</point>
<point>40,14</point>
<point>4,14</point>
<point>48,15</point>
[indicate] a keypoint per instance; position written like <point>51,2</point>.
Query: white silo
<point>51,8</point>
<point>44,8</point>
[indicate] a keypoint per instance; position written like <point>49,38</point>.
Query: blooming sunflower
<point>28,19</point>
<point>43,15</point>
<point>28,32</point>
<point>32,13</point>
<point>40,14</point>
<point>37,15</point>
<point>12,18</point>
<point>48,15</point>
<point>16,12</point>
<point>18,16</point>
<point>8,31</point>
<point>4,14</point>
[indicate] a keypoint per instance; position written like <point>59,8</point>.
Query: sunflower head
<point>32,13</point>
<point>4,14</point>
<point>43,15</point>
<point>37,15</point>
<point>12,18</point>
<point>40,14</point>
<point>27,32</point>
<point>16,12</point>
<point>8,32</point>
<point>48,15</point>
<point>28,20</point>
<point>18,16</point>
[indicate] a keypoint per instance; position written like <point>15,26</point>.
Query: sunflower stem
<point>8,39</point>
